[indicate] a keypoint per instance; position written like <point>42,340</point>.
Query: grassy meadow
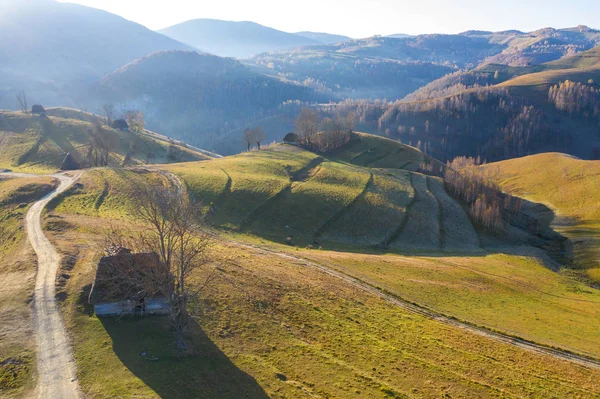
<point>570,187</point>
<point>269,326</point>
<point>35,144</point>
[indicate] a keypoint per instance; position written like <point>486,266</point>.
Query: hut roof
<point>290,138</point>
<point>127,276</point>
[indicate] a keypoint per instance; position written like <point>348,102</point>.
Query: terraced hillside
<point>39,144</point>
<point>571,187</point>
<point>368,193</point>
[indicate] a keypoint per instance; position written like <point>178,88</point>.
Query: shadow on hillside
<point>528,233</point>
<point>208,373</point>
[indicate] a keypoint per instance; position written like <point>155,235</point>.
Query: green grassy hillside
<point>39,144</point>
<point>363,194</point>
<point>271,326</point>
<point>571,187</point>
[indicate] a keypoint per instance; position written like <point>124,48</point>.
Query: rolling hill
<point>201,98</point>
<point>52,57</point>
<point>369,193</point>
<point>39,144</point>
<point>571,187</point>
<point>234,39</point>
<point>280,316</point>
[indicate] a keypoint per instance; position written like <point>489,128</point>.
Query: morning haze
<point>380,199</point>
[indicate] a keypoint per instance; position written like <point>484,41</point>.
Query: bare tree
<point>22,101</point>
<point>135,120</point>
<point>174,231</point>
<point>253,136</point>
<point>109,113</point>
<point>100,146</point>
<point>259,136</point>
<point>249,138</point>
<point>307,126</point>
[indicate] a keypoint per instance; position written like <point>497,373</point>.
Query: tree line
<point>488,205</point>
<point>576,99</point>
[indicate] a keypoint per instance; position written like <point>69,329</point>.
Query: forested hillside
<point>496,112</point>
<point>200,98</point>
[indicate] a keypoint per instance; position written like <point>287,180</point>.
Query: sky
<point>364,18</point>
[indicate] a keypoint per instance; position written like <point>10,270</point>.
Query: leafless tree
<point>135,120</point>
<point>109,113</point>
<point>174,231</point>
<point>249,138</point>
<point>100,146</point>
<point>22,101</point>
<point>307,126</point>
<point>253,136</point>
<point>259,136</point>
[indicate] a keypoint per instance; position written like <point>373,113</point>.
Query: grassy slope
<point>516,294</point>
<point>569,186</point>
<point>378,152</point>
<point>35,144</point>
<point>349,198</point>
<point>17,272</point>
<point>271,327</point>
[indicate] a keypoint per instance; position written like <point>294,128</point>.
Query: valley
<point>235,200</point>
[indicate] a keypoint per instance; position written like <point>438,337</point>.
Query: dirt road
<point>56,372</point>
<point>433,315</point>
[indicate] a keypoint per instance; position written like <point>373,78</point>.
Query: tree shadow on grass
<point>208,373</point>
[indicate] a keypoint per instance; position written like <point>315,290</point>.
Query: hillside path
<point>56,370</point>
<point>411,307</point>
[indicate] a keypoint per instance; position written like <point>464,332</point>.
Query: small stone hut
<point>38,109</point>
<point>290,138</point>
<point>120,124</point>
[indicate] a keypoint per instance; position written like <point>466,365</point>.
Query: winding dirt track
<point>56,370</point>
<point>433,315</point>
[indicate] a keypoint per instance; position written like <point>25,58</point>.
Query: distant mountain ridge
<point>48,48</point>
<point>234,39</point>
<point>199,97</point>
<point>324,38</point>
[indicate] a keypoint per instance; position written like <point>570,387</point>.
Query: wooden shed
<point>128,284</point>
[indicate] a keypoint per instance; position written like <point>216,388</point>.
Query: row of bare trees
<point>254,136</point>
<point>488,205</point>
<point>325,134</point>
<point>576,99</point>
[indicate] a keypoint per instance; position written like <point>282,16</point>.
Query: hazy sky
<point>362,18</point>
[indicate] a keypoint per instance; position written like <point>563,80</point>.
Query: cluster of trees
<point>488,122</point>
<point>131,119</point>
<point>323,135</point>
<point>488,206</point>
<point>454,83</point>
<point>254,136</point>
<point>576,99</point>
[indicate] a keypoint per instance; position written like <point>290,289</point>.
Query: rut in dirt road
<point>56,370</point>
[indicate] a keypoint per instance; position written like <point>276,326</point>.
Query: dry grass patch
<point>457,230</point>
